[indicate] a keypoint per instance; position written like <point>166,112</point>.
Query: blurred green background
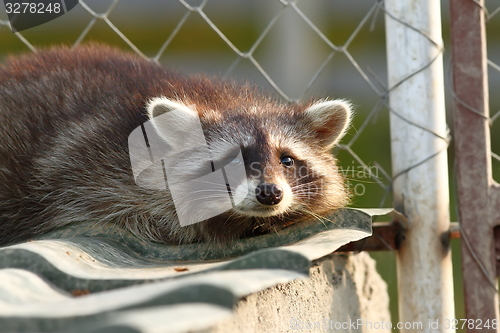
<point>290,53</point>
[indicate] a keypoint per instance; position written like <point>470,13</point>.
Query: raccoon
<point>66,119</point>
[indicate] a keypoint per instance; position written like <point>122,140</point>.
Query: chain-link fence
<point>293,48</point>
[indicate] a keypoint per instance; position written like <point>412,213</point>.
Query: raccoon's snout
<point>269,194</point>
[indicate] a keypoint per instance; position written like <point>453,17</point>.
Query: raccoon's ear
<point>172,120</point>
<point>330,120</point>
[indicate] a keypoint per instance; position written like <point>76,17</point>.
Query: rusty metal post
<point>477,193</point>
<point>419,160</point>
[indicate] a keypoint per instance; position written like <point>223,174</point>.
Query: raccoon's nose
<point>269,194</point>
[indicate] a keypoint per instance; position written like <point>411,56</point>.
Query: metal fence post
<point>419,162</point>
<point>478,194</point>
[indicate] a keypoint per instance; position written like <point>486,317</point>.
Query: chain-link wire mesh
<point>368,171</point>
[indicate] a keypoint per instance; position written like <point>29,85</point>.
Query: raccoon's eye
<point>287,161</point>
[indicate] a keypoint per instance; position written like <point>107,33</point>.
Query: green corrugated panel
<point>39,278</point>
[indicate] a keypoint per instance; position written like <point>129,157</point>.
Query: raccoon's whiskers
<point>297,180</point>
<point>314,215</point>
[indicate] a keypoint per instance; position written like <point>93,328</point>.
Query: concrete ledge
<point>341,290</point>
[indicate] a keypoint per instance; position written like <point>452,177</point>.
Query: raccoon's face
<point>257,168</point>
